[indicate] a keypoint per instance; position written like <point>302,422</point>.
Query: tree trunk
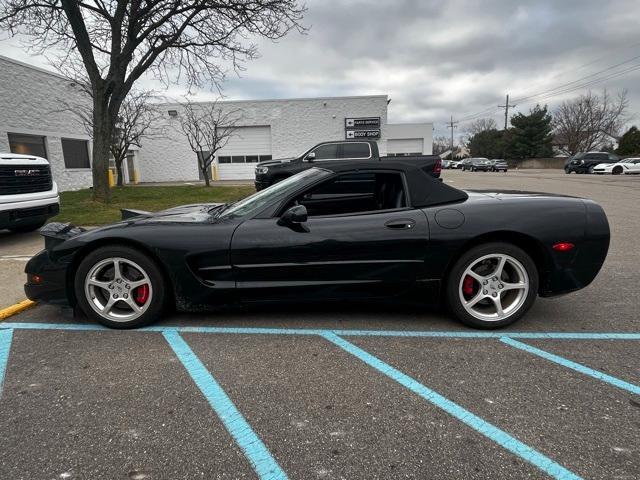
<point>205,174</point>
<point>120,179</point>
<point>102,129</point>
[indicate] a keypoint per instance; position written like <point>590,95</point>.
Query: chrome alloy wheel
<point>493,287</point>
<point>118,289</point>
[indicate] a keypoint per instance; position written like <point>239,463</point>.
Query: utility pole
<point>506,107</point>
<point>452,125</point>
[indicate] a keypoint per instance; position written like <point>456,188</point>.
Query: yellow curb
<point>17,308</point>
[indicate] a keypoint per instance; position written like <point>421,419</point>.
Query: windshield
<point>261,198</point>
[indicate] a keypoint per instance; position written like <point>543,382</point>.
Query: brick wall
<point>296,125</point>
<point>30,103</point>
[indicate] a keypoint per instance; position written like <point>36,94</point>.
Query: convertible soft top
<point>424,190</point>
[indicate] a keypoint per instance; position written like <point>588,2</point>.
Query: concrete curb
<point>16,308</point>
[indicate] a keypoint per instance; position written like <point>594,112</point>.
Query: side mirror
<point>295,215</point>
<point>310,157</point>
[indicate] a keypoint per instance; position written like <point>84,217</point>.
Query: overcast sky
<point>440,58</point>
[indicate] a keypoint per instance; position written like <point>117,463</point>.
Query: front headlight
<point>261,170</point>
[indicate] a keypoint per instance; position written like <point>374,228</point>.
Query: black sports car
<point>343,230</point>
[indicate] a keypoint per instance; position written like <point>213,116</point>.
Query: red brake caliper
<point>467,285</point>
<point>142,294</point>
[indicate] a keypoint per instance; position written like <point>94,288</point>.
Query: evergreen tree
<point>488,143</point>
<point>630,142</point>
<point>531,134</point>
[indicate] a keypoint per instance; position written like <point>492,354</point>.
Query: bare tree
<point>440,145</point>
<point>208,128</point>
<point>110,44</point>
<point>138,119</point>
<point>587,122</point>
<point>480,125</point>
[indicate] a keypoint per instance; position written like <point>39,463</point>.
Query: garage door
<point>405,146</point>
<point>248,146</point>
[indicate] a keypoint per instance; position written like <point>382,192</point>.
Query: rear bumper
<point>53,285</point>
<point>586,262</point>
<point>26,213</point>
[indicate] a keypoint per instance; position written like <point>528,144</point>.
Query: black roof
<point>424,189</point>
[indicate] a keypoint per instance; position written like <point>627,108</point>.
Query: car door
<point>634,166</point>
<point>360,253</point>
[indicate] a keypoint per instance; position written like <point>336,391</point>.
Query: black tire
<point>617,171</point>
<point>157,300</point>
<point>30,227</point>
<point>567,171</point>
<point>591,168</point>
<point>455,277</point>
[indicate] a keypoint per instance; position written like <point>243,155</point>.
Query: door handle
<point>400,224</point>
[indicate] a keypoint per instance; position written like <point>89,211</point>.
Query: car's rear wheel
<point>591,169</point>
<point>492,285</point>
<point>120,287</point>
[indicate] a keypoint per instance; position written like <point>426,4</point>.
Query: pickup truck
<point>272,171</point>
<point>28,194</point>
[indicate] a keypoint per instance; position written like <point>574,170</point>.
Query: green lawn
<point>78,208</point>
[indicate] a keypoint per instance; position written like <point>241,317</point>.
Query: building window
<point>243,158</point>
<point>27,144</point>
<point>75,153</point>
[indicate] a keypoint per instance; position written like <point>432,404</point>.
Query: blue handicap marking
<point>616,382</point>
<point>254,449</point>
<point>490,431</point>
<point>6,336</point>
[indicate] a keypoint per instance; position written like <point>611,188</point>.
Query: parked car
<point>498,165</point>
<point>28,194</point>
<point>586,162</point>
<point>274,171</point>
<point>628,166</point>
<point>456,164</point>
<point>446,164</point>
<point>336,231</point>
<point>476,164</point>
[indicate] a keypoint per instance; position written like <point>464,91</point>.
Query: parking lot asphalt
<point>340,391</point>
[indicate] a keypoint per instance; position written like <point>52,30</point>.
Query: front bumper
<point>260,185</point>
<point>28,213</point>
<point>52,287</point>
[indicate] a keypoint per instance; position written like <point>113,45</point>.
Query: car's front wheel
<point>617,171</point>
<point>120,287</point>
<point>492,285</point>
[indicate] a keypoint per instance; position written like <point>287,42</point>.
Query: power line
<point>452,125</point>
<point>567,87</point>
<point>506,107</point>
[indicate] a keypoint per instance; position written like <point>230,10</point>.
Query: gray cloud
<point>435,59</point>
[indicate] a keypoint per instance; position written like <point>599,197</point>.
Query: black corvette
<point>342,230</point>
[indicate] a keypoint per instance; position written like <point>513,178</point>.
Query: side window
<point>327,152</point>
<point>602,156</point>
<point>353,193</point>
<point>356,150</point>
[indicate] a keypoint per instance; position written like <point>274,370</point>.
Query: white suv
<point>28,194</point>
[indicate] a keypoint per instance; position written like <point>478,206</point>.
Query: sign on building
<point>363,127</point>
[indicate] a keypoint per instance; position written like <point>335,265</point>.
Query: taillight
<point>438,166</point>
<point>563,246</point>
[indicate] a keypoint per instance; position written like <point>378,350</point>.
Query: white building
<point>33,120</point>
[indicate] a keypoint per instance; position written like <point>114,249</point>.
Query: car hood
<point>275,162</point>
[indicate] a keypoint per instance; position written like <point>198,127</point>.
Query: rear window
<point>356,150</point>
